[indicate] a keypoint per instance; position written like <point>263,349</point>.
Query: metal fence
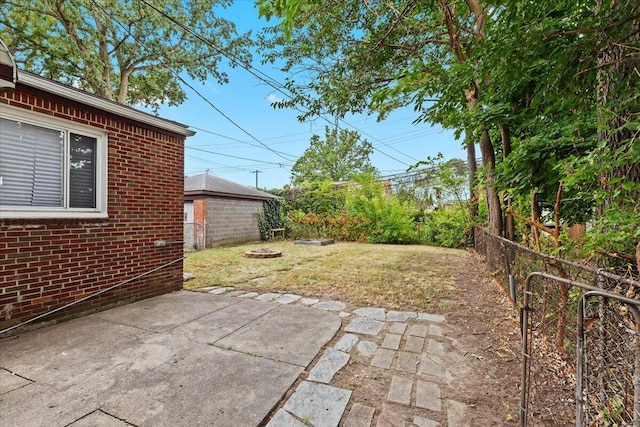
<point>581,351</point>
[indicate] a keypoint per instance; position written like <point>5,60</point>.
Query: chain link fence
<point>580,337</point>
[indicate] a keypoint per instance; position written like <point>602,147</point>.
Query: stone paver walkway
<point>406,348</point>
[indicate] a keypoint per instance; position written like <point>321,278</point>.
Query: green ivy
<point>270,218</point>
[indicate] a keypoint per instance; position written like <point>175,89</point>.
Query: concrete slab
<point>331,362</point>
<point>224,390</point>
<point>367,348</point>
<point>41,405</point>
<point>426,422</point>
<point>346,343</point>
<point>434,318</point>
<point>419,330</point>
<point>400,390</point>
<point>407,362</point>
<point>99,418</point>
<point>271,296</point>
<point>283,419</point>
<point>401,316</point>
<point>430,365</point>
<point>221,291</point>
<point>365,326</point>
<point>371,312</point>
<point>249,295</point>
<point>397,328</point>
<point>155,363</point>
<point>457,414</point>
<point>428,396</point>
<point>435,330</point>
<point>283,329</point>
<point>10,381</point>
<point>217,325</point>
<point>288,298</point>
<point>359,416</point>
<point>414,344</point>
<point>436,347</point>
<point>309,301</point>
<point>330,305</point>
<point>167,311</point>
<point>319,404</point>
<point>383,358</point>
<point>391,341</point>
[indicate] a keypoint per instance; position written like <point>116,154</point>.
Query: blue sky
<point>231,152</point>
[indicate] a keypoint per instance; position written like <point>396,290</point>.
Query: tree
<point>376,56</point>
<point>555,82</point>
<point>126,51</point>
<point>339,157</point>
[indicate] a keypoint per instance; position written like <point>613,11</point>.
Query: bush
<point>449,227</point>
<point>385,219</point>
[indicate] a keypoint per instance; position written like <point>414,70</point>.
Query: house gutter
<point>26,322</point>
<point>68,92</point>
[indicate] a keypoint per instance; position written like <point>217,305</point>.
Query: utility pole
<point>256,172</point>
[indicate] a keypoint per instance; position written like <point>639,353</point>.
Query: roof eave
<point>68,92</point>
<point>226,195</point>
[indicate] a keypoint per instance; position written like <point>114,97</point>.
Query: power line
<point>238,157</point>
<point>184,81</point>
<point>266,79</point>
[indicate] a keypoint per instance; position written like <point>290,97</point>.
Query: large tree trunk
<point>509,223</point>
<point>618,81</point>
<point>493,199</point>
<point>473,167</point>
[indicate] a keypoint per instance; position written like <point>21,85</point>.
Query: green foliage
<point>127,51</point>
<point>385,219</point>
<point>339,157</point>
<point>319,197</point>
<point>270,218</point>
<point>449,226</point>
<point>556,82</point>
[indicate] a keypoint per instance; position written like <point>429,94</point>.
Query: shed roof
<point>209,185</point>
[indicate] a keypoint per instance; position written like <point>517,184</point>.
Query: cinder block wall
<point>232,221</point>
<point>45,264</point>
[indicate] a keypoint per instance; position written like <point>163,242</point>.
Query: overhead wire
<point>279,154</point>
<point>258,74</point>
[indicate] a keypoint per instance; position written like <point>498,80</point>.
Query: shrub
<point>449,227</point>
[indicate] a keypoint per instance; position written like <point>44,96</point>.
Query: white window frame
<point>68,127</point>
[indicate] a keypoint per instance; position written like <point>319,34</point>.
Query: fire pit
<point>263,253</point>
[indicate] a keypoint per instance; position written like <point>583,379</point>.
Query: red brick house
<point>91,196</point>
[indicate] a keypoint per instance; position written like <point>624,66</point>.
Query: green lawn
<point>408,277</point>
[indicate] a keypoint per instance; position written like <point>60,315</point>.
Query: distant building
<point>218,212</point>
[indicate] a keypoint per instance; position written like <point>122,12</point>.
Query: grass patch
<point>402,277</point>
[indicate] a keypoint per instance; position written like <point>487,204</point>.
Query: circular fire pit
<point>263,253</point>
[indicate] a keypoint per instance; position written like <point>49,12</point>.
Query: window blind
<point>31,164</point>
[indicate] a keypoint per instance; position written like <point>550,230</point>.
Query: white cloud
<point>273,98</point>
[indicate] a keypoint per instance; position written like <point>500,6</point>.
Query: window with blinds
<point>47,168</point>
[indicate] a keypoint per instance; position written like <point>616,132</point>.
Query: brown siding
<point>45,264</point>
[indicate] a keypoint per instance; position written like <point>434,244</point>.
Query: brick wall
<point>47,263</point>
<point>232,221</point>
<point>200,218</point>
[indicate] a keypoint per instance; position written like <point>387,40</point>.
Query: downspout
<point>90,296</point>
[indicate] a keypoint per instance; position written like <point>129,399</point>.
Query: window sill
<point>52,215</point>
